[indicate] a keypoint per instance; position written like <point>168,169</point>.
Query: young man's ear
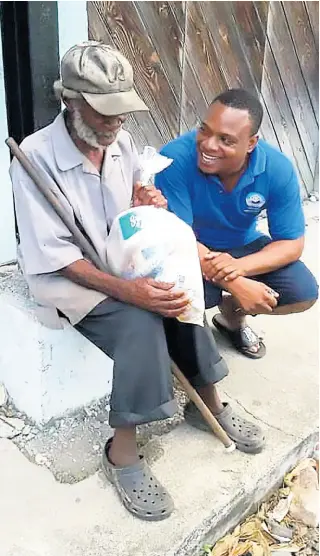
<point>252,143</point>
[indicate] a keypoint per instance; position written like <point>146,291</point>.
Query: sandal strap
<point>248,337</point>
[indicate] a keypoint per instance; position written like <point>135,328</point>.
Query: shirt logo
<point>255,201</point>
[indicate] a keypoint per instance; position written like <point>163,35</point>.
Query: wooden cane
<point>204,410</point>
<point>50,190</point>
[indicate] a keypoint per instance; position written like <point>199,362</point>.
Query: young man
<point>95,165</point>
<point>221,178</point>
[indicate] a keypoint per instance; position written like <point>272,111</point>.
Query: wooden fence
<point>184,53</point>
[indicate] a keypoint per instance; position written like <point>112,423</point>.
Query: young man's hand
<point>158,297</point>
<point>254,297</point>
<point>148,195</point>
<point>220,267</point>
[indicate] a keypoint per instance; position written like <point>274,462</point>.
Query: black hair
<point>243,100</point>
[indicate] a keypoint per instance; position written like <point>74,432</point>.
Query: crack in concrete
<point>261,420</point>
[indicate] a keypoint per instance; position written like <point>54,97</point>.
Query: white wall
<point>7,227</point>
<point>73,28</point>
<point>73,24</point>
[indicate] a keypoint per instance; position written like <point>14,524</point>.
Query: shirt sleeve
<point>46,244</point>
<point>284,210</point>
<point>136,167</point>
<point>173,183</point>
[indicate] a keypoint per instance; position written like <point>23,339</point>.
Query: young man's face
<point>224,140</point>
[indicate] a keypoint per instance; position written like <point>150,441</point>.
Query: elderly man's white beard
<point>86,133</point>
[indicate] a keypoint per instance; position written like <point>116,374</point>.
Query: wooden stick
<point>50,190</point>
<point>205,412</point>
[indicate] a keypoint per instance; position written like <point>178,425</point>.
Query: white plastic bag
<point>151,163</point>
<point>152,242</point>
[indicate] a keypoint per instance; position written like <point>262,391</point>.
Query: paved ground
<point>212,489</point>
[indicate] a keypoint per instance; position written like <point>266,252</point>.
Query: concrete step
<point>212,490</point>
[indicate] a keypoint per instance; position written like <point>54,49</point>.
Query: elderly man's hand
<point>148,195</point>
<point>158,297</point>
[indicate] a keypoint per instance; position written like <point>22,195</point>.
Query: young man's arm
<point>286,227</point>
<point>173,184</point>
<point>222,266</point>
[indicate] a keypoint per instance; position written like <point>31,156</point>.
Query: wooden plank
<point>168,39</point>
<point>293,82</point>
<point>129,35</point>
<point>281,114</point>
<point>143,130</point>
<point>202,78</point>
<point>227,44</point>
<point>306,49</point>
<point>262,10</point>
<point>312,8</point>
<point>179,11</point>
<point>316,177</point>
<point>193,102</point>
<point>140,124</point>
<point>253,33</point>
<point>201,54</point>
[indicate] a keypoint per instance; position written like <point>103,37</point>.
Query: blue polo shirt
<point>224,220</point>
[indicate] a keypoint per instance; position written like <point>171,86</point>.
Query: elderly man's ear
<point>148,195</point>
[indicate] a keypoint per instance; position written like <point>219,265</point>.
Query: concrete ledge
<point>50,372</point>
<point>46,372</point>
<point>212,490</point>
<point>245,500</point>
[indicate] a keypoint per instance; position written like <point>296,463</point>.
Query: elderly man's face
<point>224,140</point>
<point>94,128</point>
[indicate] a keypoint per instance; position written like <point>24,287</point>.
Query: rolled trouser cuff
<point>119,419</point>
<point>213,374</point>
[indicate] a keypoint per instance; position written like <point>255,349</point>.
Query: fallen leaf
<point>224,546</point>
<point>241,549</point>
<point>290,477</point>
<point>280,511</point>
<point>293,548</point>
<point>284,492</point>
<point>257,550</point>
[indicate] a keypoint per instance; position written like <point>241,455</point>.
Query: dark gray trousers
<point>141,345</point>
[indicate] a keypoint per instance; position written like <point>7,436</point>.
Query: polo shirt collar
<point>114,148</point>
<point>256,166</point>
<point>66,153</point>
<point>258,159</point>
<point>257,163</point>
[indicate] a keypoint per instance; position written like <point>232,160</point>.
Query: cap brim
<point>113,104</point>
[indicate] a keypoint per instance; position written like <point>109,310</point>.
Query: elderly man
<point>221,179</point>
<point>95,165</point>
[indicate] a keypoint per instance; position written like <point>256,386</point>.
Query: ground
<point>41,516</point>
